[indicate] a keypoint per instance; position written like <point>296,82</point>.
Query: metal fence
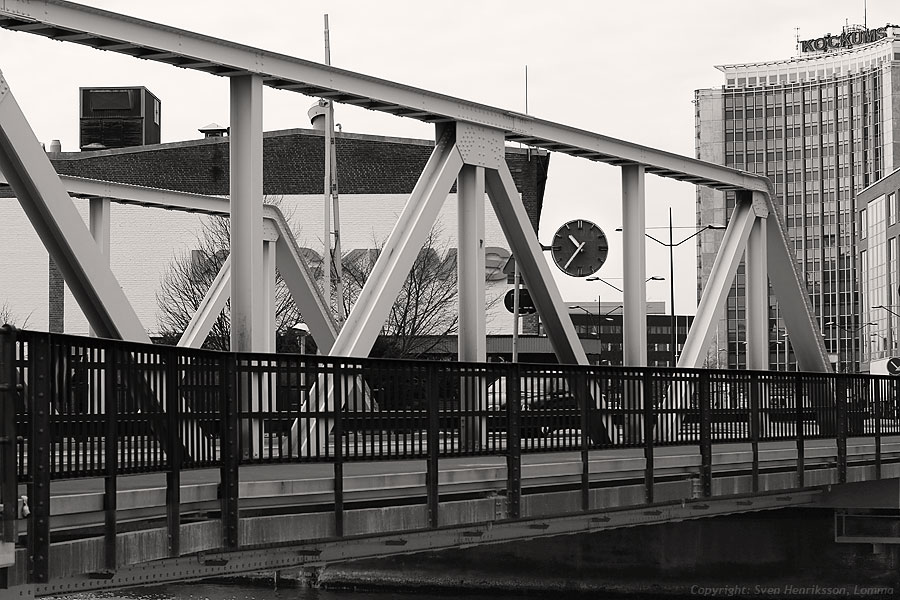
<point>93,405</point>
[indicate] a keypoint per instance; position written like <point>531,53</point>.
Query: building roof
<point>293,165</point>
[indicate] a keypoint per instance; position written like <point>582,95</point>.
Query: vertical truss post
<point>513,441</point>
<point>432,475</point>
<point>111,361</point>
<point>647,416</point>
<point>634,249</point>
<point>9,486</point>
<point>705,435</point>
<point>757,302</point>
<point>755,393</point>
<point>470,185</point>
<point>472,321</point>
<point>248,318</point>
<point>229,392</point>
<point>336,410</point>
<point>840,385</point>
<point>584,410</point>
<point>173,475</point>
<point>98,220</point>
<point>40,449</point>
<point>799,389</point>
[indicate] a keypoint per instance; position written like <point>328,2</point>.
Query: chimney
<point>213,130</point>
<point>55,146</point>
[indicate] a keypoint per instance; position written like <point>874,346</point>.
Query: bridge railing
<point>76,407</point>
<point>93,405</point>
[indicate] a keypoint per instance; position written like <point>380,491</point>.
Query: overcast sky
<point>623,69</point>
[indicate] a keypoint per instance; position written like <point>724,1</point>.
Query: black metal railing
<point>140,405</point>
<point>87,407</point>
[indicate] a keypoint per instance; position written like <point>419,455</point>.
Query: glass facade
<point>879,269</point>
<point>820,129</point>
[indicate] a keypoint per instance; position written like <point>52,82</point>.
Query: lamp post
<point>599,344</point>
<point>600,318</point>
<point>853,331</point>
<point>671,245</point>
<point>891,341</point>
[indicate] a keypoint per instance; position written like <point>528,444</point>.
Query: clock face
<point>579,248</point>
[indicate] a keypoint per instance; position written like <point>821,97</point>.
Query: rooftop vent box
<point>119,117</point>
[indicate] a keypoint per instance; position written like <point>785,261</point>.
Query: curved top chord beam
<point>105,30</point>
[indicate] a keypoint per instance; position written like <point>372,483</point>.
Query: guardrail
<point>88,407</point>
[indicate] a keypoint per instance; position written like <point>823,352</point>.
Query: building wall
<point>878,334</point>
<point>376,176</point>
<point>821,128</point>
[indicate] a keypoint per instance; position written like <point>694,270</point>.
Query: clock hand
<point>574,254</point>
<point>574,241</point>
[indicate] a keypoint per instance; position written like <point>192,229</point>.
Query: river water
<point>209,591</point>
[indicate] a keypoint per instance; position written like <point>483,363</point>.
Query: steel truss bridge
<point>139,464</point>
<point>142,463</point>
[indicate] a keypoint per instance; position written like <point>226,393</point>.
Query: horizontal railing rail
<point>88,407</point>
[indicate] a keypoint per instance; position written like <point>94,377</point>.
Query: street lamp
<point>600,318</point>
<point>617,288</point>
<point>671,246</point>
<point>853,331</point>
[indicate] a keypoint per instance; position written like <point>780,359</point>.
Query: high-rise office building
<point>821,125</point>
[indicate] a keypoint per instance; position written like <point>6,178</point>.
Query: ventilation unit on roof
<point>119,117</point>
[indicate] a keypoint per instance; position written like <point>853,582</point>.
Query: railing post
<point>877,411</point>
<point>39,452</point>
<point>801,444</point>
<point>513,441</point>
<point>647,409</point>
<point>705,436</point>
<point>173,475</point>
<point>840,400</point>
<point>338,431</point>
<point>755,389</point>
<point>585,410</point>
<point>432,475</point>
<point>228,488</point>
<point>9,484</point>
<point>111,454</point>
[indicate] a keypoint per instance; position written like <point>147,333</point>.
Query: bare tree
<point>426,311</point>
<point>8,317</point>
<point>188,279</point>
<point>424,314</point>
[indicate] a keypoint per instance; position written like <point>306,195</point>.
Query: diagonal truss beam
<point>719,284</point>
<point>793,297</point>
<point>400,251</point>
<point>531,262</point>
<point>210,308</point>
<point>371,309</point>
<point>60,227</point>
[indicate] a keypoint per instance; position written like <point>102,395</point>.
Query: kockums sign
<point>848,39</point>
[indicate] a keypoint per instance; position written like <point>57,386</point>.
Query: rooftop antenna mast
<point>332,204</point>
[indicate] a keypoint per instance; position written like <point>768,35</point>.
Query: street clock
<point>579,248</point>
